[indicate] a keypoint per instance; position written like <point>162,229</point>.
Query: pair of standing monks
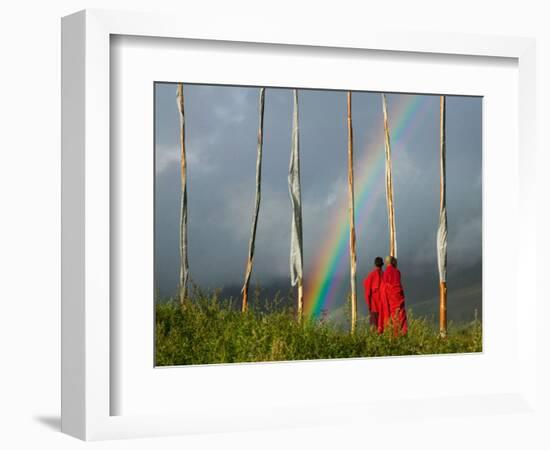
<point>385,296</point>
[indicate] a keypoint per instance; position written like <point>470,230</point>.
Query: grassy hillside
<point>207,330</point>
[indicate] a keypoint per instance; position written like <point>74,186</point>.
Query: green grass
<point>209,331</point>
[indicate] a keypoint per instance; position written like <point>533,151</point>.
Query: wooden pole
<point>184,265</point>
<point>300,298</point>
<point>442,230</point>
<point>244,304</point>
<point>251,245</point>
<point>389,181</point>
<point>443,309</point>
<point>351,210</point>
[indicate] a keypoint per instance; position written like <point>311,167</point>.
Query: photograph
<point>295,224</point>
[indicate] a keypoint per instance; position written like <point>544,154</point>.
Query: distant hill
<point>422,298</point>
<point>462,304</point>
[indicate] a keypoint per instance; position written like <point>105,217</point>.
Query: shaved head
<point>390,260</point>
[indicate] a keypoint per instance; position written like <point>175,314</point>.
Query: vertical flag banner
<point>184,264</point>
<point>257,202</point>
<point>296,242</point>
<point>351,211</point>
<point>442,230</point>
<point>389,182</point>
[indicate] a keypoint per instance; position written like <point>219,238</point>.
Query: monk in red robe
<point>394,295</point>
<point>372,285</point>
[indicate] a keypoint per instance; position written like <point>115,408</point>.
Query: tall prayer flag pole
<point>442,230</point>
<point>184,265</point>
<point>296,244</point>
<point>257,202</point>
<point>389,181</point>
<point>351,211</point>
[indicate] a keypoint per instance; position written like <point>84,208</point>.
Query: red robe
<point>372,286</point>
<point>395,299</point>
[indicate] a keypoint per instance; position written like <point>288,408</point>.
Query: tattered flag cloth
<point>442,245</point>
<point>296,256</point>
<point>389,181</point>
<point>442,230</point>
<point>184,265</point>
<point>251,244</point>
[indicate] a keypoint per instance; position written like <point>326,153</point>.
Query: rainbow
<point>327,276</point>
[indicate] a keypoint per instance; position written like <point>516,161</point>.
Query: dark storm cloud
<point>221,144</point>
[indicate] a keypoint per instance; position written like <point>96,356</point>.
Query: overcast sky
<point>221,126</point>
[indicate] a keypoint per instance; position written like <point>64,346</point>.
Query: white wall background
<point>30,209</point>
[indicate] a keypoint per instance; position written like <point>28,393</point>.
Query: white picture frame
<point>87,325</point>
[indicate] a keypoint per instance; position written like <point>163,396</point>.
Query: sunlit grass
<point>206,330</point>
